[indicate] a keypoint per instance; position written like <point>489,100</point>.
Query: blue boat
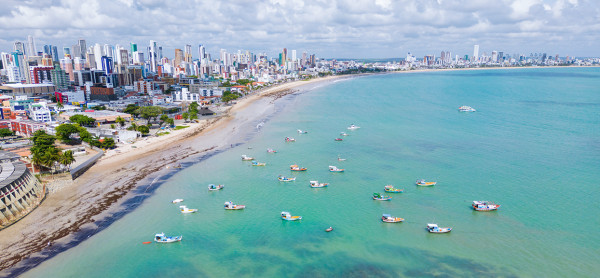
<point>161,238</point>
<point>379,197</point>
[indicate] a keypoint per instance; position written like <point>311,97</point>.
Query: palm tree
<point>66,158</point>
<point>36,160</point>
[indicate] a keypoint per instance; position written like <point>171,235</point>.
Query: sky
<point>327,28</point>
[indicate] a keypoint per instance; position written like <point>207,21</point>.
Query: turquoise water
<point>533,146</point>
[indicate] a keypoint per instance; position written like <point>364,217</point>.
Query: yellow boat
<point>425,183</point>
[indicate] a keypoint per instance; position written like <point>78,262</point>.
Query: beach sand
<point>72,214</point>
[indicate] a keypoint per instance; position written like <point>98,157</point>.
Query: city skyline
<point>340,29</point>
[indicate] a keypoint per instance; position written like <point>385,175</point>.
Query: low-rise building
<point>101,116</point>
<point>26,128</point>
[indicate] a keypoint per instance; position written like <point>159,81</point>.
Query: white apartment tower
<point>31,51</point>
<point>476,52</point>
<point>152,56</point>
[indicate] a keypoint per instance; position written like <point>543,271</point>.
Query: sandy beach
<point>108,189</point>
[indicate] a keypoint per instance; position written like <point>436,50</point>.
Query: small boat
<point>247,158</point>
<point>465,108</point>
<point>146,242</point>
<point>161,238</point>
<point>353,127</point>
<point>329,229</point>
<point>287,216</point>
<point>433,228</point>
<point>215,187</point>
<point>341,159</point>
<point>255,163</point>
<point>316,184</point>
<point>271,151</point>
<point>185,209</point>
<point>343,134</point>
<point>282,178</point>
<point>484,206</point>
<point>339,139</point>
<point>390,219</point>
<point>425,183</point>
<point>390,188</point>
<point>297,168</point>
<point>231,206</point>
<point>335,169</point>
<point>290,139</point>
<point>302,131</point>
<point>379,197</point>
<point>177,201</point>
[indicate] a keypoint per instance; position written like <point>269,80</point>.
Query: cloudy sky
<point>328,28</point>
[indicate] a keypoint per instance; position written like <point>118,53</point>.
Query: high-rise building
<point>188,54</point>
<point>494,56</point>
<point>178,57</point>
<point>283,57</point>
<point>108,50</point>
<point>133,47</point>
<point>476,52</point>
<point>153,55</point>
<point>98,53</point>
<point>294,55</point>
<point>82,49</point>
<point>54,54</point>
<point>31,51</point>
<point>202,54</point>
<point>19,46</point>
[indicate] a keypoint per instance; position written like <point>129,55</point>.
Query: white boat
<point>343,133</point>
<point>290,139</point>
<point>316,184</point>
<point>161,238</point>
<point>341,159</point>
<point>433,228</point>
<point>271,151</point>
<point>185,209</point>
<point>287,216</point>
<point>422,182</point>
<point>391,219</point>
<point>484,206</point>
<point>335,169</point>
<point>177,201</point>
<point>231,206</point>
<point>247,158</point>
<point>213,187</point>
<point>282,178</point>
<point>353,127</point>
<point>465,108</point>
<point>302,131</point>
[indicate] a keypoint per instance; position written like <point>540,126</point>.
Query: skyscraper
<point>133,47</point>
<point>476,52</point>
<point>19,46</point>
<point>82,48</point>
<point>54,54</point>
<point>188,54</point>
<point>178,57</point>
<point>283,57</point>
<point>152,55</point>
<point>202,54</point>
<point>98,55</point>
<point>31,51</point>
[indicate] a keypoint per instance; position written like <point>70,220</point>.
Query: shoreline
<point>121,181</point>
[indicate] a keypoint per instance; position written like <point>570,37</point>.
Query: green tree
<point>64,131</point>
<point>5,132</point>
<point>82,120</point>
<point>133,127</point>
<point>120,121</point>
<point>163,119</point>
<point>193,115</point>
<point>66,158</point>
<point>194,107</point>
<point>108,143</point>
<point>84,135</point>
<point>143,129</point>
<point>131,109</point>
<point>171,122</point>
<point>185,116</point>
<point>150,112</point>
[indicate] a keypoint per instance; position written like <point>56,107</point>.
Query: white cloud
<point>331,28</point>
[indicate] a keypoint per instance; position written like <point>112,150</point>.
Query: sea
<point>532,146</point>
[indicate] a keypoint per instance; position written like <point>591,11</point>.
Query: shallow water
<point>533,146</point>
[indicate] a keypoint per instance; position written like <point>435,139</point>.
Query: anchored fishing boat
<point>177,201</point>
<point>290,139</point>
<point>484,206</point>
<point>245,157</point>
<point>297,168</point>
<point>339,139</point>
<point>316,184</point>
<point>391,219</point>
<point>185,209</point>
<point>390,188</point>
<point>283,178</point>
<point>271,151</point>
<point>341,159</point>
<point>343,134</point>
<point>287,216</point>
<point>231,206</point>
<point>215,187</point>
<point>465,108</point>
<point>433,228</point>
<point>379,197</point>
<point>161,238</point>
<point>335,169</point>
<point>255,163</point>
<point>302,131</point>
<point>353,127</point>
<point>425,183</point>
